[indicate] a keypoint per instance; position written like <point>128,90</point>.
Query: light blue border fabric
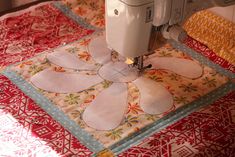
<point>68,12</point>
<point>85,138</point>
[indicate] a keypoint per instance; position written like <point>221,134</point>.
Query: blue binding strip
<point>201,59</point>
<point>85,138</point>
<point>171,118</point>
<point>68,12</point>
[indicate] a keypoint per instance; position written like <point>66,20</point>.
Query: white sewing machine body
<point>130,23</point>
<point>128,29</point>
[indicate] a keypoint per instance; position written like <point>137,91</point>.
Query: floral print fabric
<point>184,90</point>
<point>92,11</point>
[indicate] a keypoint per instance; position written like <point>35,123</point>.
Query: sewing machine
<point>134,28</point>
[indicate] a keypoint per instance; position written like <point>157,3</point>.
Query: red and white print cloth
<point>209,132</point>
<point>208,53</point>
<point>27,130</point>
<point>26,33</point>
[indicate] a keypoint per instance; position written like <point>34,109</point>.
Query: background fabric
<point>35,30</point>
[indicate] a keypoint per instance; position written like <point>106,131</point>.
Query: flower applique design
<point>107,110</point>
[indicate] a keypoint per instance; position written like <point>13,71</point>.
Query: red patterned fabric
<point>205,51</point>
<point>22,35</point>
<point>35,123</point>
<point>209,132</point>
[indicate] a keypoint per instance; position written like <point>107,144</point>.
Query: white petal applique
<point>99,50</point>
<point>68,60</point>
<point>59,82</point>
<point>107,111</point>
<point>154,98</point>
<point>183,67</point>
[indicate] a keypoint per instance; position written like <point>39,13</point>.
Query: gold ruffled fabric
<point>215,32</point>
